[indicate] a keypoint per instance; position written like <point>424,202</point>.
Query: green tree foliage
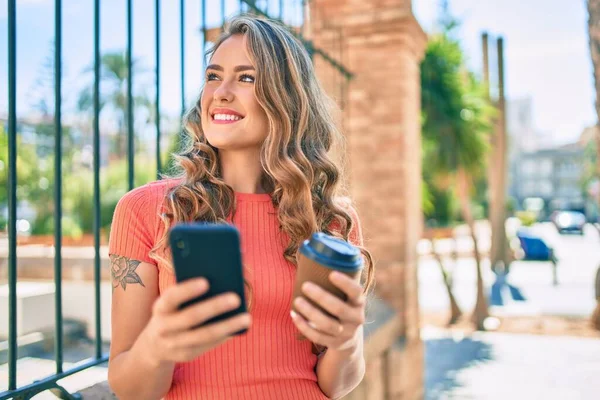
<point>456,113</point>
<point>114,78</point>
<point>457,119</point>
<point>35,185</point>
<point>33,177</point>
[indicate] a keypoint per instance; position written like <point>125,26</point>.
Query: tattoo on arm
<point>122,271</point>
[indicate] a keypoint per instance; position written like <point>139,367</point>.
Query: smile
<point>226,118</point>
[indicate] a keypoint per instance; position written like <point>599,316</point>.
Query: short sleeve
<point>355,235</point>
<point>132,232</point>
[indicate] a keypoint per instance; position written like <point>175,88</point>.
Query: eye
<point>211,76</point>
<point>247,78</point>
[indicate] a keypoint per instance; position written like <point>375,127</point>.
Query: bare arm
<point>151,333</point>
<point>342,367</point>
<point>339,372</point>
<point>132,374</point>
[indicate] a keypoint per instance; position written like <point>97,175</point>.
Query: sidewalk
<point>499,366</point>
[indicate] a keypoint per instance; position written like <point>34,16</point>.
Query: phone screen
<point>211,251</point>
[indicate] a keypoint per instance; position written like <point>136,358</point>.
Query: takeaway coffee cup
<point>317,258</point>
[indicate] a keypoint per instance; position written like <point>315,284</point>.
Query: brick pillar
<point>382,44</point>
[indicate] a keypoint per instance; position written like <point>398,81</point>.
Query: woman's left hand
<point>324,330</point>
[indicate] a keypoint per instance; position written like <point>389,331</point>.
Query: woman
<point>257,158</point>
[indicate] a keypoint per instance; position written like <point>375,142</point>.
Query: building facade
<point>553,175</point>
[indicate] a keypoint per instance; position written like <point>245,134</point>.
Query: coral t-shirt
<point>267,362</point>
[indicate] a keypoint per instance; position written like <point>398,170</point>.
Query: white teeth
<point>226,117</point>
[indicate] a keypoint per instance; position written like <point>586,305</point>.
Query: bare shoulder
<point>347,204</point>
<point>355,235</point>
<point>343,201</point>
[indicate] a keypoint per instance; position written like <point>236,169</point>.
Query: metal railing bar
<point>12,194</point>
<point>58,339</point>
<point>222,15</point>
<point>96,146</point>
<point>157,105</point>
<point>182,43</point>
<point>204,30</point>
<point>130,142</point>
<point>50,381</point>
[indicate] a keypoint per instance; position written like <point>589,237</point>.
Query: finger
<point>173,297</point>
<point>315,336</point>
<point>346,312</point>
<point>317,319</point>
<point>213,334</point>
<point>351,287</point>
<point>201,312</point>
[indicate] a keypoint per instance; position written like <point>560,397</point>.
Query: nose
<point>223,93</point>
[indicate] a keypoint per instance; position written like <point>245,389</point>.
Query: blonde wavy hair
<point>302,179</point>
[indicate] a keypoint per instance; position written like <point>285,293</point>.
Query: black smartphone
<point>210,251</point>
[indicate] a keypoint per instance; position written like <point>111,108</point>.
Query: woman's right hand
<point>170,334</point>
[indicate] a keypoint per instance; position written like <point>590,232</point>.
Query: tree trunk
<point>498,171</point>
<point>480,313</point>
<point>596,314</point>
<point>594,34</point>
<point>598,159</point>
<point>455,311</point>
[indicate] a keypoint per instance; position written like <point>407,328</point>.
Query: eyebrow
<point>239,68</point>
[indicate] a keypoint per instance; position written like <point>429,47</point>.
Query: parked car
<point>569,221</point>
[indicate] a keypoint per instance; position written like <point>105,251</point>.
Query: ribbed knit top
<point>267,362</point>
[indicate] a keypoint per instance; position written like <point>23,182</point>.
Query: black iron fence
<point>283,10</point>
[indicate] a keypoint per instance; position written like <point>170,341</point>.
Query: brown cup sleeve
<point>312,271</point>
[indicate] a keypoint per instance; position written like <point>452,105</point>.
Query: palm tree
<point>596,313</point>
<point>114,86</point>
<point>594,34</point>
<point>455,311</point>
<point>429,207</point>
<point>457,118</point>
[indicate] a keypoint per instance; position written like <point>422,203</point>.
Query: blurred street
<point>579,257</point>
<point>499,366</point>
<point>488,365</point>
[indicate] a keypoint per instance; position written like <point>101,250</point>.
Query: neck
<point>242,170</point>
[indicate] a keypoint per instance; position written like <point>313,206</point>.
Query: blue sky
<point>546,49</point>
<point>546,55</point>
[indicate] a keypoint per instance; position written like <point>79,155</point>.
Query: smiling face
<point>232,118</point>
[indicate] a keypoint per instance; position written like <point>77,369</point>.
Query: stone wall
<point>381,44</point>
